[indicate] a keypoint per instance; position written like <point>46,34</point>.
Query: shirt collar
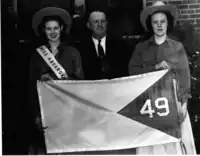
<point>60,46</point>
<point>60,49</point>
<point>97,41</point>
<point>152,40</point>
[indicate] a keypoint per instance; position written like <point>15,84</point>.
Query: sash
<point>52,62</point>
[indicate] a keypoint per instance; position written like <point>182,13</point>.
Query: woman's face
<point>53,30</point>
<point>159,24</point>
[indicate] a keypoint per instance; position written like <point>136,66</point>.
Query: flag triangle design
<point>83,116</point>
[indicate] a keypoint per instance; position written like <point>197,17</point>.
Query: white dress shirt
<point>103,44</point>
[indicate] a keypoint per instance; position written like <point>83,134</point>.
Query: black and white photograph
<point>100,77</point>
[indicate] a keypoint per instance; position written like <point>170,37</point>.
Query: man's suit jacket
<point>113,65</point>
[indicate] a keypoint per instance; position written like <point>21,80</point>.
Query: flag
<point>105,116</point>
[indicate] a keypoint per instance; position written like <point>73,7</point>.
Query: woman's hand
<point>46,77</point>
<point>38,123</point>
<point>163,65</point>
<point>182,112</point>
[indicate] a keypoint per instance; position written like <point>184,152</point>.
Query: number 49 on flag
<point>160,103</point>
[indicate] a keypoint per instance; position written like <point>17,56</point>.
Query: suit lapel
<point>108,47</point>
<point>92,49</point>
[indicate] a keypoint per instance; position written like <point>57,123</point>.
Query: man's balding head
<point>97,23</point>
<point>95,15</point>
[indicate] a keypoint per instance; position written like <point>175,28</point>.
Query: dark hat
<point>50,11</point>
<point>157,6</point>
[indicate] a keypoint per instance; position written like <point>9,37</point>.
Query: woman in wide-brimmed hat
<point>52,25</point>
<point>160,51</point>
<point>53,57</point>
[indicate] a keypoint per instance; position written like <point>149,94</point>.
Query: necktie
<point>100,50</point>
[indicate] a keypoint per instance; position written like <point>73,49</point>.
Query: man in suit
<point>99,52</point>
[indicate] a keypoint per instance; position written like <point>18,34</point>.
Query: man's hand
<point>46,77</point>
<point>162,65</point>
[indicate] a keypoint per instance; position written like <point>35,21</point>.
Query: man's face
<point>159,24</point>
<point>52,30</point>
<point>98,24</point>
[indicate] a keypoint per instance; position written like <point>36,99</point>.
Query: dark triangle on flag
<point>156,107</point>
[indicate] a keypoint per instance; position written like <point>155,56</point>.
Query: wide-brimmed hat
<point>50,11</point>
<point>157,6</point>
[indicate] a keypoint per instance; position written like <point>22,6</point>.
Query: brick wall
<point>189,11</point>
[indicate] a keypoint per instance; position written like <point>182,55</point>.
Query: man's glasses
<point>98,21</point>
